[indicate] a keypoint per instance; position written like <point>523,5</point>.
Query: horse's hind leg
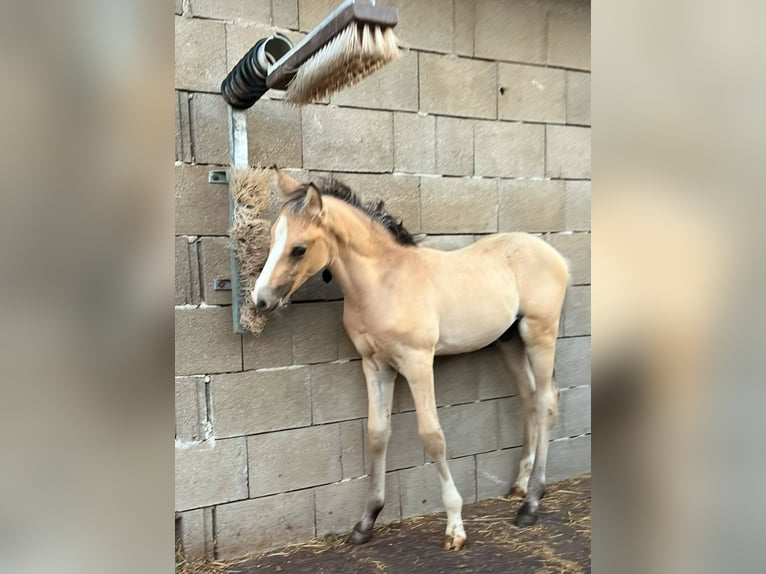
<point>380,392</point>
<point>516,361</point>
<point>539,337</point>
<point>417,368</point>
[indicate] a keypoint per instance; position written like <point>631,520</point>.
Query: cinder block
<point>303,333</point>
<point>197,533</point>
<point>567,152</point>
<point>511,415</point>
<point>574,413</point>
<point>393,87</point>
<point>453,205</point>
<point>215,259</point>
<point>447,242</point>
<point>465,22</point>
<point>496,471</point>
<point>183,129</point>
<point>315,289</point>
<point>568,457</point>
<point>260,401</point>
<point>312,12</point>
<point>191,408</point>
<point>531,93</point>
<point>425,24</point>
<point>200,54</point>
<point>251,10</point>
<point>421,490</point>
<point>271,348</point>
<point>469,429</point>
<point>210,129</point>
<point>492,375</point>
<point>458,86</point>
<point>318,333</point>
<point>531,205</point>
<point>578,205</point>
<point>284,13</point>
<point>578,98</point>
<point>339,506</point>
<point>402,396</point>
<point>292,459</point>
<point>577,311</point>
<point>454,146</point>
<point>184,293</point>
<point>455,380</point>
<point>569,35</point>
<point>205,341</point>
<point>573,362</point>
<point>352,448</point>
<point>338,392</point>
<point>400,193</point>
<point>201,208</point>
<point>510,31</point>
<point>179,131</point>
<point>404,447</point>
<point>509,150</point>
<point>194,265</point>
<point>414,143</point>
<point>210,472</point>
<point>274,134</point>
<point>576,248</point>
<point>347,139</point>
<point>264,524</point>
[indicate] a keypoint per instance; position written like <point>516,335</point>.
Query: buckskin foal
<point>405,304</point>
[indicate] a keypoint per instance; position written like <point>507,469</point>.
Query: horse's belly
<point>471,334</point>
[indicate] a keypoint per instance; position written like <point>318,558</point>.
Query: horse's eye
<point>298,251</point>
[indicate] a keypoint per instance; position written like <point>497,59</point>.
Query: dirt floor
<point>558,543</point>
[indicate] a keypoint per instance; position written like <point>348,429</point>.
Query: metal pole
<point>238,161</point>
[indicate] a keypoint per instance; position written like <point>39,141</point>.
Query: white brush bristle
<point>353,54</point>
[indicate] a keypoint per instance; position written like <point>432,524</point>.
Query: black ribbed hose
<point>246,82</point>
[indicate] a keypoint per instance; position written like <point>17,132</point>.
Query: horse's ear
<point>287,185</point>
<point>312,205</point>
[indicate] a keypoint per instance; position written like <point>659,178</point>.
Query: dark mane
<point>373,209</point>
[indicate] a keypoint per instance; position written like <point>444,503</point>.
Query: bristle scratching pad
<point>353,54</point>
<point>250,238</point>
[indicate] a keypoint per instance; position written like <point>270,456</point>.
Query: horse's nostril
<point>261,304</point>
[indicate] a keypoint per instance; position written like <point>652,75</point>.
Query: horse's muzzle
<point>267,299</point>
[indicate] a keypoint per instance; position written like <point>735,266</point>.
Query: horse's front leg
<point>417,368</point>
<point>380,392</point>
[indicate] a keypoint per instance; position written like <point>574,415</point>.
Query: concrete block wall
<point>482,126</point>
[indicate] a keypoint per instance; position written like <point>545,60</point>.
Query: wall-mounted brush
<point>350,44</point>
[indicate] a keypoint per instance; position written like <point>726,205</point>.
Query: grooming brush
<point>350,44</point>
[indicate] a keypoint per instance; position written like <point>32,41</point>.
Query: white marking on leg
<point>453,504</point>
<point>280,239</point>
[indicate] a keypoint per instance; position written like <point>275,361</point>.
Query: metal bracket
<point>218,176</point>
<point>221,284</point>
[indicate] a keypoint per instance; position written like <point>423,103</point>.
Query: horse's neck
<point>362,248</point>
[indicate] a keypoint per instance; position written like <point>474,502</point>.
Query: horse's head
<point>299,244</point>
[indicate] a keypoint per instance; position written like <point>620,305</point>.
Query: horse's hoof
<point>453,543</point>
<point>517,493</point>
<point>358,537</point>
<point>523,520</point>
<point>525,516</point>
